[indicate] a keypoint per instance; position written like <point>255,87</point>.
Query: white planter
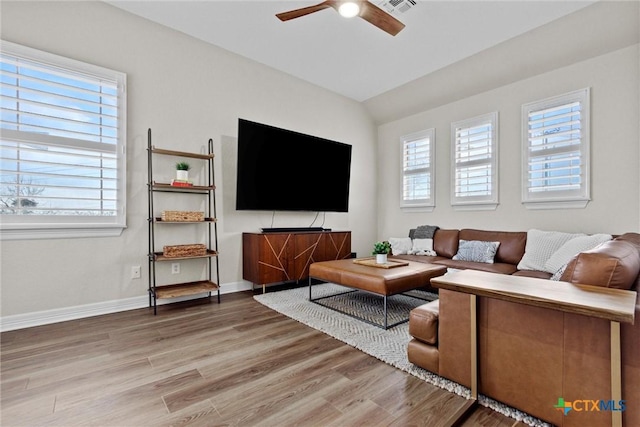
<point>381,258</point>
<point>182,175</point>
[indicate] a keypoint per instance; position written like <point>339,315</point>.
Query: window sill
<point>59,233</point>
<point>557,204</point>
<point>417,208</point>
<point>476,207</point>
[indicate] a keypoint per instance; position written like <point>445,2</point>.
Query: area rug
<point>389,346</point>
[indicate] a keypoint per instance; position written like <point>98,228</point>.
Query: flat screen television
<point>283,170</point>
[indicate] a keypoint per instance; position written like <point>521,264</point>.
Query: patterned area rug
<point>369,307</point>
<point>389,345</point>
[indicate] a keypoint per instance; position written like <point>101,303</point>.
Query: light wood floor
<point>204,364</point>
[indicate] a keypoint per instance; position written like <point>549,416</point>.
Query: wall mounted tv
<point>283,170</point>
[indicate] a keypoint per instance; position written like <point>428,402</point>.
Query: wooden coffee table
<point>385,281</point>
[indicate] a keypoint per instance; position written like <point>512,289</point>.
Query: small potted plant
<point>381,250</point>
<point>182,171</point>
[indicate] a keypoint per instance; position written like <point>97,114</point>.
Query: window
<point>62,142</point>
<point>474,150</point>
<point>555,152</point>
<point>417,170</point>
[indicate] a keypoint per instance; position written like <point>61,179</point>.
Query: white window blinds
<point>417,169</point>
<point>474,154</point>
<point>556,150</point>
<point>62,145</point>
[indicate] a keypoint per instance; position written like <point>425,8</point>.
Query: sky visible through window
<point>59,139</point>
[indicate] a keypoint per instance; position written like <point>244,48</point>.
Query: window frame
<point>20,227</point>
<point>560,199</point>
<point>485,202</point>
<point>429,203</point>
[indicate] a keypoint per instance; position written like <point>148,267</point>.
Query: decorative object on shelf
<point>183,216</point>
<point>381,250</point>
<point>175,251</point>
<point>182,172</point>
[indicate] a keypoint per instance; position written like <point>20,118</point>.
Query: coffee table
<point>385,281</point>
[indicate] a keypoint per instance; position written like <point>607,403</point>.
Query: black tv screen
<point>283,170</point>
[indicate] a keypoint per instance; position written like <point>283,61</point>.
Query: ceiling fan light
<point>349,9</point>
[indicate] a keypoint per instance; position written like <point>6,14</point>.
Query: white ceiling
<point>351,56</point>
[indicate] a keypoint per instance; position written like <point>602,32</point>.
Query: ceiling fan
<point>364,9</point>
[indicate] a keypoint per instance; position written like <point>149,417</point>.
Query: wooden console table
<point>614,305</point>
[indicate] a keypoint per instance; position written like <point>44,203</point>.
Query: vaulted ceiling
<point>351,56</point>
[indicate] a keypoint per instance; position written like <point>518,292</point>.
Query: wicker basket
<point>182,216</point>
<point>177,251</point>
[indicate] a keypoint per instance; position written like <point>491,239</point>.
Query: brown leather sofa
<point>529,357</point>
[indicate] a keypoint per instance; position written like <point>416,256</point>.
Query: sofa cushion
<point>613,264</point>
<point>476,251</point>
<point>445,242</point>
<point>423,322</point>
<point>496,267</point>
<point>540,246</point>
<point>533,273</point>
<point>512,243</point>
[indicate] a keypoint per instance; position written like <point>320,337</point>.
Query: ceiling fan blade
<point>297,13</point>
<point>380,18</point>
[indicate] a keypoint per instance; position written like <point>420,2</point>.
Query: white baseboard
<point>39,318</point>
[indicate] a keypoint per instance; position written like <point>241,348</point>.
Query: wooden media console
<point>269,258</point>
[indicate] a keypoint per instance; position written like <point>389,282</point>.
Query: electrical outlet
<point>135,272</point>
<point>175,268</point>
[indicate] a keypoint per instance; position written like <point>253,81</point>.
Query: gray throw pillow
<point>476,251</point>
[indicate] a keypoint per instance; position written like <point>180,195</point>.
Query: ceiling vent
<point>395,7</point>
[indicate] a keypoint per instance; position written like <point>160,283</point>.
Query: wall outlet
<point>135,272</point>
<point>175,268</point>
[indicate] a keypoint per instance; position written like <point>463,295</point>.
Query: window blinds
<point>59,144</point>
<point>416,163</point>
<point>473,160</point>
<point>554,148</point>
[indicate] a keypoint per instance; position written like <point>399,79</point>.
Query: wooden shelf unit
<point>158,288</point>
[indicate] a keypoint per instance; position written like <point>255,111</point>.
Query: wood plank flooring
<point>237,363</point>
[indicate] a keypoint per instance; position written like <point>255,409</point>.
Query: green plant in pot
<point>381,250</point>
<point>182,171</point>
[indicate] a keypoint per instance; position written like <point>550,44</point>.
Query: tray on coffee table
<point>372,263</point>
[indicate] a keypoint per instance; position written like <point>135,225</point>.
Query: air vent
<point>396,7</point>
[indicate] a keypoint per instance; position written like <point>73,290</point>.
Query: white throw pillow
<point>540,246</point>
<point>400,245</point>
<point>572,248</point>
<point>422,247</point>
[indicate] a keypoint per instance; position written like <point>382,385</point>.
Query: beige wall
<point>187,92</point>
<point>615,206</point>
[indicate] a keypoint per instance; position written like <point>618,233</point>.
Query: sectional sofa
<point>529,357</point>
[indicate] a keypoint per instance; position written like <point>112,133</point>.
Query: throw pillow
<point>476,251</point>
<point>425,231</point>
<point>540,246</point>
<point>422,247</point>
<point>400,245</point>
<point>572,248</point>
